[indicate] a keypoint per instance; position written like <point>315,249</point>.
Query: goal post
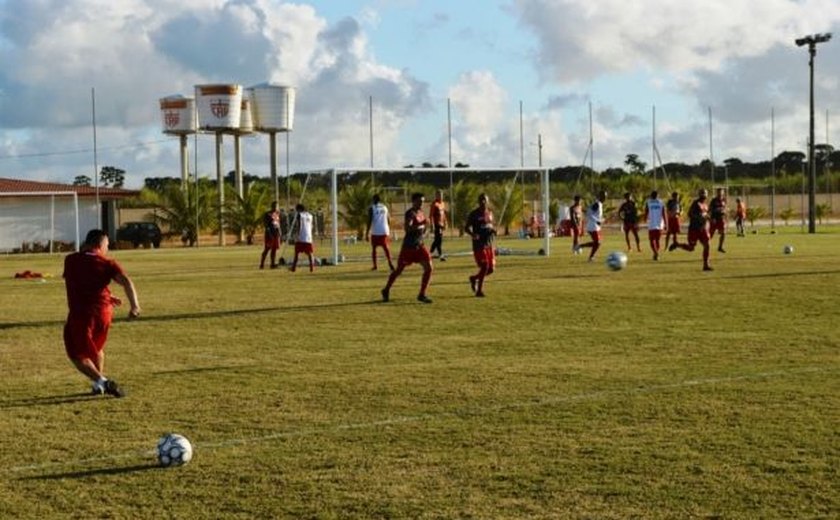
<point>334,174</point>
<point>42,218</point>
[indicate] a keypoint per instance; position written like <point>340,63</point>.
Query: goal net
<point>519,199</point>
<point>37,222</point>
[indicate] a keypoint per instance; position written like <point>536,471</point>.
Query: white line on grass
<point>395,420</point>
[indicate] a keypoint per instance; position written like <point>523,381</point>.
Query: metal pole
<point>772,168</point>
<point>95,158</point>
<point>812,170</point>
<point>711,149</point>
<point>221,187</point>
<point>451,182</point>
<point>272,151</point>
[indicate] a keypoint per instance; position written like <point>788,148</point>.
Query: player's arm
<point>369,223</point>
<point>130,292</point>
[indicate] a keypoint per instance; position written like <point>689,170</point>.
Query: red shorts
<point>85,336</point>
<point>303,247</point>
<point>673,225</point>
<point>576,231</point>
<point>485,257</point>
<point>410,256</point>
<point>272,242</point>
<point>698,235</point>
<point>380,241</point>
<point>717,225</point>
<point>654,234</point>
<point>630,227</point>
<point>595,236</point>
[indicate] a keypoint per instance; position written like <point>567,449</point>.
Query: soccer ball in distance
<point>174,450</point>
<point>788,249</point>
<point>616,260</point>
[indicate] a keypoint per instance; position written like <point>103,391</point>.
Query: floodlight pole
<point>812,41</point>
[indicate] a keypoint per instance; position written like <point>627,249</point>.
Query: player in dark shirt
<point>480,227</point>
<point>698,216</point>
<point>717,217</point>
<point>413,249</point>
<point>629,215</point>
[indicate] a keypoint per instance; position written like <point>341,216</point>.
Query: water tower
<point>220,112</point>
<point>178,117</point>
<point>273,108</point>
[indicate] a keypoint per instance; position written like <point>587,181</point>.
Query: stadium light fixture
<point>811,41</point>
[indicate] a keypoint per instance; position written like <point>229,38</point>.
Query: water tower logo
<point>171,118</point>
<point>220,108</point>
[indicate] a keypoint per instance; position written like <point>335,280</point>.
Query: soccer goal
<point>32,222</point>
<point>519,198</point>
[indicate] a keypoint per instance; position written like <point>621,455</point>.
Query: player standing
<point>271,223</point>
<point>673,211</point>
<point>717,217</point>
<point>576,222</point>
<point>413,250</point>
<point>594,219</point>
<point>303,236</point>
<point>481,228</point>
<point>655,216</point>
<point>629,215</point>
<point>740,216</point>
<point>87,275</point>
<point>437,212</point>
<point>378,231</point>
<point>698,217</point>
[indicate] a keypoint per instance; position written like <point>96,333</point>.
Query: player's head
<point>300,208</point>
<point>602,195</point>
<point>737,199</point>
<point>577,198</point>
<point>675,195</point>
<point>96,239</point>
<point>417,200</point>
<point>703,193</point>
<point>376,198</point>
<point>482,200</point>
<point>274,206</point>
<point>438,195</point>
<point>654,194</point>
<point>628,196</point>
<point>719,192</point>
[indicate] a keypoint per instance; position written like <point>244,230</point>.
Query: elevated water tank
<point>273,107</point>
<point>246,119</point>
<point>219,107</point>
<point>177,114</point>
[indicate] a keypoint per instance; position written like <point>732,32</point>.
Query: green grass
<point>570,391</point>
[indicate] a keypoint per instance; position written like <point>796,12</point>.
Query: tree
<point>822,210</point>
<point>356,199</point>
<point>187,211</point>
<point>754,213</point>
<point>508,203</point>
<point>786,214</point>
<point>637,167</point>
<point>243,215</point>
<point>82,180</point>
<point>112,177</point>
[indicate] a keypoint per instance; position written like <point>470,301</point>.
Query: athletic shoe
<point>112,388</point>
<point>385,295</point>
<point>721,250</point>
<point>422,298</point>
<point>656,256</point>
<point>479,295</point>
<point>472,283</point>
<point>707,268</point>
<point>672,246</point>
<point>97,389</point>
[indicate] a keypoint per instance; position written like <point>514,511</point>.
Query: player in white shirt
<point>378,231</point>
<point>594,219</point>
<point>303,234</point>
<point>656,221</point>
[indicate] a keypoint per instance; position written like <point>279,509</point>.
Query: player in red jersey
<point>698,216</point>
<point>437,213</point>
<point>717,217</point>
<point>271,223</point>
<point>674,212</point>
<point>413,250</point>
<point>576,223</point>
<point>480,227</point>
<point>87,275</point>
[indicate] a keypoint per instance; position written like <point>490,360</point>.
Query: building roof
<point>21,186</point>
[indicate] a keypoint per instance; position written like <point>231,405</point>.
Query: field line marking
<point>404,419</point>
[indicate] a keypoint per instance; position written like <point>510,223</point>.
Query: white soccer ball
<point>174,450</point>
<point>788,250</point>
<point>616,260</point>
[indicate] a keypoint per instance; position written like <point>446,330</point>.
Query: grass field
<point>570,391</point>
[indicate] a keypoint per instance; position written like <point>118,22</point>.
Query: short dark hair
<point>300,207</point>
<point>375,198</point>
<point>94,237</point>
<point>415,196</point>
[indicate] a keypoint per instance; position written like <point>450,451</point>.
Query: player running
<point>594,219</point>
<point>413,250</point>
<point>717,217</point>
<point>698,217</point>
<point>378,231</point>
<point>655,217</point>
<point>480,227</point>
<point>629,215</point>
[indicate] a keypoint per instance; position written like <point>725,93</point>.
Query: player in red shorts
<point>594,220</point>
<point>87,275</point>
<point>698,216</point>
<point>413,250</point>
<point>629,215</point>
<point>303,241</point>
<point>655,216</point>
<point>378,231</point>
<point>271,223</point>
<point>717,217</point>
<point>480,227</point>
<point>673,212</point>
<point>576,223</point>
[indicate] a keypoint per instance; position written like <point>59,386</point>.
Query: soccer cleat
<point>97,389</point>
<point>472,283</point>
<point>112,388</point>
<point>707,268</point>
<point>385,295</point>
<point>479,294</point>
<point>422,298</point>
<point>442,258</point>
<point>721,250</point>
<point>672,246</point>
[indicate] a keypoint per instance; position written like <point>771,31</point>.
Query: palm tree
<point>356,199</point>
<point>508,201</point>
<point>243,215</point>
<point>187,211</point>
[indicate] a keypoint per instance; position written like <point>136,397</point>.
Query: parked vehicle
<point>140,233</point>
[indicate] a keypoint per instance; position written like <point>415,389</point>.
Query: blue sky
<point>736,57</point>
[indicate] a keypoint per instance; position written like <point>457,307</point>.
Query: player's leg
<point>311,261</point>
<point>295,260</point>
<point>627,236</point>
<point>636,236</point>
<point>426,262</point>
<point>373,255</point>
<point>721,238</point>
<point>706,266</point>
<point>387,250</point>
<point>262,257</point>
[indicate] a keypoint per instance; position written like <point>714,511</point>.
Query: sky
<point>503,75</point>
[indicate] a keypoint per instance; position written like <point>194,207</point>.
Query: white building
<point>46,216</point>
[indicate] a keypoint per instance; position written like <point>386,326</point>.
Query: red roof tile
<point>19,185</point>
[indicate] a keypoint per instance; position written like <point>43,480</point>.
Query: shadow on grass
<point>783,275</point>
<point>50,400</point>
<point>94,472</point>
